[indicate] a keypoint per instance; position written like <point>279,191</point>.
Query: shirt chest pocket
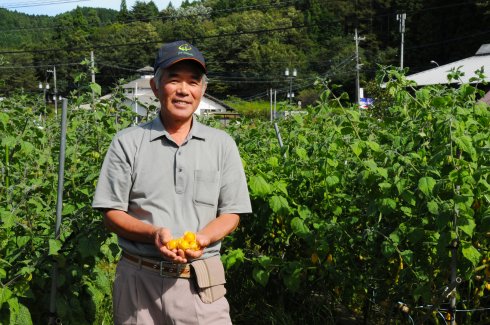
<point>206,187</point>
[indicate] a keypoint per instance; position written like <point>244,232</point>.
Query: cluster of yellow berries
<point>188,241</point>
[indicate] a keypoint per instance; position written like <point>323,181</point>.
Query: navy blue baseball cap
<point>171,53</point>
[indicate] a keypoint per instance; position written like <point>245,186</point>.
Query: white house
<point>438,75</point>
<point>140,97</point>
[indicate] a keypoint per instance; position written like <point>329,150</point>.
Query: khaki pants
<point>143,297</point>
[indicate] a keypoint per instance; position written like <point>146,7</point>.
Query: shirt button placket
<point>179,177</point>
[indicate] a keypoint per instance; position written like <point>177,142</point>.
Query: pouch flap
<point>209,272</point>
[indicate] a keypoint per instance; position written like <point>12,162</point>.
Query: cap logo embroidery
<point>185,47</point>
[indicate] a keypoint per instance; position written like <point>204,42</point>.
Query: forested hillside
<point>248,43</point>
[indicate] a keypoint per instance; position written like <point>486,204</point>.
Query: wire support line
<point>28,4</point>
<point>214,12</point>
<point>166,17</point>
<point>46,65</point>
<point>89,48</point>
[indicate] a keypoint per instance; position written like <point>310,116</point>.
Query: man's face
<point>180,92</point>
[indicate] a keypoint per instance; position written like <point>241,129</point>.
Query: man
<point>160,180</point>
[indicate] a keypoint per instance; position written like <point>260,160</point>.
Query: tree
<point>16,73</point>
<point>144,11</point>
<point>123,15</point>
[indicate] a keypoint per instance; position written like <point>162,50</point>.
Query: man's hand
<point>163,236</point>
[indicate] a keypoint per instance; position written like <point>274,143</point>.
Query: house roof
<point>438,75</point>
<point>142,83</point>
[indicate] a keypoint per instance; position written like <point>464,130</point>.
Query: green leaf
<point>54,246</point>
<point>299,227</point>
<point>9,141</point>
<point>26,147</point>
<point>8,219</point>
<point>22,240</point>
<point>68,209</point>
<point>282,186</point>
<point>426,185</point>
<point>387,249</point>
<point>384,186</point>
<point>485,220</point>
<point>273,161</point>
<point>371,164</point>
<point>332,180</point>
<point>292,280</point>
<point>471,253</point>
<point>96,88</point>
<point>357,148</point>
<point>433,207</point>
<point>388,204</point>
<point>304,212</point>
<point>374,146</point>
<point>235,256</point>
<point>4,118</point>
<point>23,316</point>
<point>88,247</point>
<point>407,256</point>
<point>465,143</point>
<point>265,261</point>
<point>332,163</point>
<point>394,237</point>
<point>259,186</point>
<point>260,276</point>
<point>301,152</point>
<point>382,171</point>
<point>279,204</point>
<point>5,294</point>
<point>467,226</point>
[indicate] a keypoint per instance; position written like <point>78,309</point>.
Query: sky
<point>54,7</point>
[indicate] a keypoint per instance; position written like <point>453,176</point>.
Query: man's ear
<point>154,87</point>
<point>204,86</point>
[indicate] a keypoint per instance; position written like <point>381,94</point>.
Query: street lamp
<point>44,89</point>
<point>293,75</point>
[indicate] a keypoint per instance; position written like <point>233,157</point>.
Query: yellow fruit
<point>487,286</point>
<point>314,258</point>
<point>189,236</point>
<point>329,259</point>
<point>194,246</point>
<point>183,244</point>
<point>188,241</point>
<point>173,244</point>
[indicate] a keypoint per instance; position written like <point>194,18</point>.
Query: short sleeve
<point>234,196</point>
<point>115,179</point>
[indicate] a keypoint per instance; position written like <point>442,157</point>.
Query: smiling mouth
<point>181,102</point>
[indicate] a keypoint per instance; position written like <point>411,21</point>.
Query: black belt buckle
<point>174,270</point>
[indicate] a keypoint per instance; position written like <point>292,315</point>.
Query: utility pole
<point>358,66</point>
<point>55,90</point>
<point>92,70</point>
<point>401,18</point>
<point>271,102</point>
<point>294,73</point>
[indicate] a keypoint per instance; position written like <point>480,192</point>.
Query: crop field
<point>378,216</point>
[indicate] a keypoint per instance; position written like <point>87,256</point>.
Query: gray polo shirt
<point>182,187</point>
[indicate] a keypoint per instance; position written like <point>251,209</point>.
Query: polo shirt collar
<point>157,130</point>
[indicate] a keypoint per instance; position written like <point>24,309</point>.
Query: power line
<point>89,48</point>
<point>28,4</point>
<point>46,65</point>
<point>167,17</point>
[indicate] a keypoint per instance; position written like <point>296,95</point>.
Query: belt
<point>166,269</point>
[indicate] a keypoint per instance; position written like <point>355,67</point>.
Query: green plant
<point>28,192</point>
<point>355,214</point>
